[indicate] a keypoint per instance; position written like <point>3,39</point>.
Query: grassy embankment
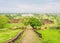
<point>50,35</point>
<point>7,33</point>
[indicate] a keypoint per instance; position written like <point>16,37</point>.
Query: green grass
<point>8,34</point>
<point>10,25</point>
<point>50,35</point>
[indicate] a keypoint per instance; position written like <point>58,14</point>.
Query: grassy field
<point>7,34</point>
<point>10,25</point>
<point>50,35</point>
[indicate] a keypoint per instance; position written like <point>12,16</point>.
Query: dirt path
<point>30,37</point>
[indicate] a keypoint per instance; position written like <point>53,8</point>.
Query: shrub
<point>3,20</point>
<point>34,22</point>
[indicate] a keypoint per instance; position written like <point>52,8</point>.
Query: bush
<point>34,22</point>
<point>3,20</point>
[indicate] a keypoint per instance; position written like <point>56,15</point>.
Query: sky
<point>29,6</point>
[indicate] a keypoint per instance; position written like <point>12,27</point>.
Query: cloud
<point>50,7</point>
<point>34,8</point>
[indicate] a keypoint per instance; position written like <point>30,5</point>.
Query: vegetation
<point>3,20</point>
<point>34,22</point>
<point>6,34</point>
<point>50,35</point>
<point>50,31</point>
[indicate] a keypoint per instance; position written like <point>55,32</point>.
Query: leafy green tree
<point>3,20</point>
<point>34,22</point>
<point>9,16</point>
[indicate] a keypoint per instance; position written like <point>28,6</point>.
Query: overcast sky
<point>29,6</point>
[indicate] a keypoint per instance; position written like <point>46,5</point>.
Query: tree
<point>26,20</point>
<point>34,22</point>
<point>9,16</point>
<point>3,20</point>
